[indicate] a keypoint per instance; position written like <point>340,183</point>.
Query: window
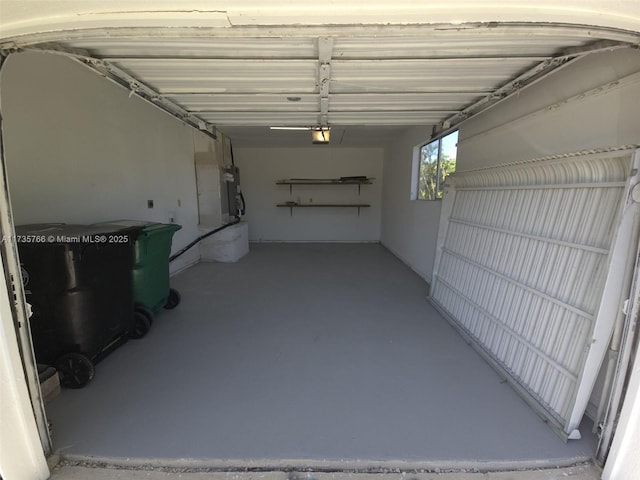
<point>436,162</point>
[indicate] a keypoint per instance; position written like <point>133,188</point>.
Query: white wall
<point>409,227</point>
<point>539,121</point>
<point>260,168</point>
<point>79,149</point>
<point>534,123</point>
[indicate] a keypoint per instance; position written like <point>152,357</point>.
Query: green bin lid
<point>147,227</point>
<point>161,227</point>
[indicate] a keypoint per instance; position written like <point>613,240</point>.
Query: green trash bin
<point>151,290</point>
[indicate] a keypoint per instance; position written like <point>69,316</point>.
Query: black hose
<point>202,237</point>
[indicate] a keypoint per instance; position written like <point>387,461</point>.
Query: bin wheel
<point>141,325</point>
<point>75,370</point>
<point>146,312</point>
<point>173,300</point>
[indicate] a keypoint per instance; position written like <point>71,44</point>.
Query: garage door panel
<point>532,262</point>
<point>566,169</point>
<point>495,296</point>
<point>524,361</point>
<point>556,214</point>
<point>521,268</point>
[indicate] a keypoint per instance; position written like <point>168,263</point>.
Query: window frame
<point>417,166</point>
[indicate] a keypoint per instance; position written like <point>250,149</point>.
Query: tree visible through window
<point>437,161</point>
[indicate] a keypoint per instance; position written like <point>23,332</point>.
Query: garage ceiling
<point>367,81</point>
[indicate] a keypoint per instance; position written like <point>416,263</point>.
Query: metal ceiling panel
<point>392,75</point>
<point>236,118</point>
<point>386,118</point>
<point>441,75</point>
<point>443,44</point>
<point>342,102</point>
<point>454,44</point>
<point>274,118</point>
<point>241,102</point>
<point>222,75</point>
<point>216,47</point>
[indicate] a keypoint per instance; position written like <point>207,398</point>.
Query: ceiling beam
<point>325,50</point>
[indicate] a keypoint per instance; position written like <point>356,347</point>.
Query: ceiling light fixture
<point>290,128</point>
<point>320,135</point>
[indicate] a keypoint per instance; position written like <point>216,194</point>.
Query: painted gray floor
<point>319,352</point>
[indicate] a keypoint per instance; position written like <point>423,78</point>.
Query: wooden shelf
<point>325,181</point>
<point>291,206</point>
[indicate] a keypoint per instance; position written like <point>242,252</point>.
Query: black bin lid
<point>56,233</point>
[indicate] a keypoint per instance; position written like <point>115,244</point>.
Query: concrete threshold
<point>319,466</point>
<point>99,471</point>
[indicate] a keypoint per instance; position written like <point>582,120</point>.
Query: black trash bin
<point>151,289</point>
<point>78,281</point>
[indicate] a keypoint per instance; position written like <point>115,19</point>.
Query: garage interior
<point>379,330</point>
<point>336,358</point>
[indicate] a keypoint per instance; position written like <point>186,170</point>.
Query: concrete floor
<point>308,355</point>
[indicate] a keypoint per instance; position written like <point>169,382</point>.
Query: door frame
<point>16,330</point>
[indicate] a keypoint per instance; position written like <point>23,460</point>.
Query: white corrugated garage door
<point>524,270</point>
